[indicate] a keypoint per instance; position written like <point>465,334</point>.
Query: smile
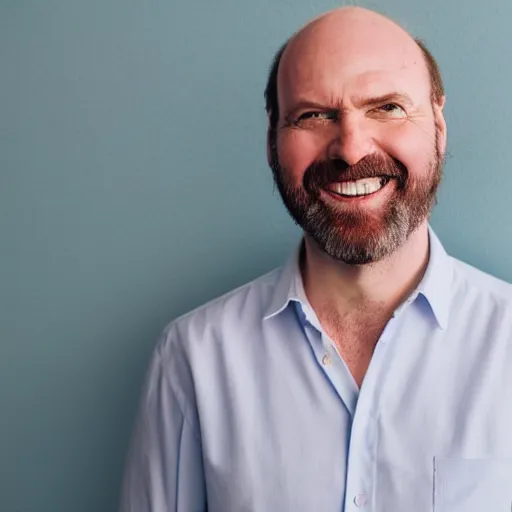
<point>358,188</point>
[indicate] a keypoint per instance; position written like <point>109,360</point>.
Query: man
<point>373,371</point>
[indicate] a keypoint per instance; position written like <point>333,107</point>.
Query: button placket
<point>364,433</point>
<point>326,360</point>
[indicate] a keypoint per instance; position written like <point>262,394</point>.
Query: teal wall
<point>134,187</point>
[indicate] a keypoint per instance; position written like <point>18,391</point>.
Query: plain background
<point>134,187</point>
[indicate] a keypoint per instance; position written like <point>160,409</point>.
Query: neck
<point>378,287</point>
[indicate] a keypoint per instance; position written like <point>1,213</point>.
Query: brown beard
<point>358,237</point>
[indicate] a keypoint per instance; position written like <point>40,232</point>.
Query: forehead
<point>332,60</point>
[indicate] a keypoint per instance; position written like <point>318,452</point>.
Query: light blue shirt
<point>248,407</point>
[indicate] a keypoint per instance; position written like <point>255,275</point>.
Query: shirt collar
<point>435,286</point>
<point>288,286</point>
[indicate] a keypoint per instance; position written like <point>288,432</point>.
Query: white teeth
<point>357,188</point>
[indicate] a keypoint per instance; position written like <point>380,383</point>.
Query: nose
<point>352,140</point>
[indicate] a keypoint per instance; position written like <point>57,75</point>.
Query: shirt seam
<point>263,279</point>
<point>181,399</point>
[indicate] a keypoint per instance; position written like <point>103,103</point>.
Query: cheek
<point>296,152</point>
<point>413,145</point>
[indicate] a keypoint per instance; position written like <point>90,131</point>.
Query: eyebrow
<point>360,101</point>
<point>307,105</point>
<point>393,97</point>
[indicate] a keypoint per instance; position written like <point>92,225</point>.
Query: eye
<point>327,116</point>
<point>391,110</point>
<point>315,119</point>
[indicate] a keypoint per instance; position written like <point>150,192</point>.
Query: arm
<point>164,470</point>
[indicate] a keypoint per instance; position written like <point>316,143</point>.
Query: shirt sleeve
<point>164,469</point>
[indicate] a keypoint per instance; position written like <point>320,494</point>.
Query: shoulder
<point>238,310</point>
<point>482,299</point>
<point>476,281</point>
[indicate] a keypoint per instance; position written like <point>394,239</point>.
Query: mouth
<point>359,188</point>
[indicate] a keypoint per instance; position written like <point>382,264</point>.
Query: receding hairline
<point>347,11</point>
<point>271,90</point>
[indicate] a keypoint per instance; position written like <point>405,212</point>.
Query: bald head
<point>352,22</point>
<point>356,38</point>
<point>352,29</point>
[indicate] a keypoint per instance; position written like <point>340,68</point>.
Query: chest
<point>429,430</point>
<point>354,340</point>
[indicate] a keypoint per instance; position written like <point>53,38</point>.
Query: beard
<point>357,236</point>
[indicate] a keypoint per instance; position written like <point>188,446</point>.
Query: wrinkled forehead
<point>329,60</point>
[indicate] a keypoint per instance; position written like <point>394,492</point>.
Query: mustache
<point>322,173</point>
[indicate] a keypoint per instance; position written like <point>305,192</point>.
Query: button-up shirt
<point>248,407</point>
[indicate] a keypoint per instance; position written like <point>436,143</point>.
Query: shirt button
<point>360,500</point>
<point>326,360</point>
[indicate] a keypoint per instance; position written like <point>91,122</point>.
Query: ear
<point>440,122</point>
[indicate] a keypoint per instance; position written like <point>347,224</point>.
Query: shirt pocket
<point>472,485</point>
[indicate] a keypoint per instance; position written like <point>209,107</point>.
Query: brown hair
<point>271,100</point>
